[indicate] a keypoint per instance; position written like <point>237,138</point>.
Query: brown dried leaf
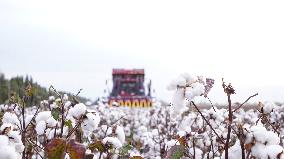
<point>55,149</point>
<point>75,150</point>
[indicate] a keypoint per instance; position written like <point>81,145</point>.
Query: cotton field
<point>62,128</point>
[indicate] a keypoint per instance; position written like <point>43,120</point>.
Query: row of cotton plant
<point>62,127</point>
<point>57,128</point>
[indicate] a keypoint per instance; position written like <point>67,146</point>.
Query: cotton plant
<point>186,87</point>
<point>11,145</point>
<point>263,143</point>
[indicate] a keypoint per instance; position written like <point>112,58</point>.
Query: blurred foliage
<point>16,87</point>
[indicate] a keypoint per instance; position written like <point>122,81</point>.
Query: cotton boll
<point>249,138</point>
<point>67,104</point>
<point>260,136</point>
<point>258,150</point>
<point>40,127</point>
<point>65,131</point>
<point>272,138</point>
<point>51,133</point>
<point>53,106</point>
<point>234,152</point>
<point>51,98</point>
<point>120,134</point>
<point>91,122</point>
<point>14,136</point>
<point>78,110</point>
<point>51,122</point>
<point>65,97</point>
<point>127,131</point>
<point>19,147</point>
<point>6,125</point>
<point>28,118</point>
<point>263,136</point>
<point>196,89</point>
<point>67,156</point>
<point>142,129</point>
<point>268,107</point>
<point>180,81</point>
<point>104,127</point>
<point>11,118</point>
<point>171,143</point>
<point>258,127</point>
<point>43,116</point>
<point>198,153</point>
<point>8,152</point>
<point>4,141</point>
<point>274,150</point>
<point>178,102</point>
<point>112,140</point>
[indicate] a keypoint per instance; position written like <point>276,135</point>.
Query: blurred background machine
<point>128,88</point>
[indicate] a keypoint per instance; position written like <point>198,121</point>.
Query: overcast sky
<point>75,44</point>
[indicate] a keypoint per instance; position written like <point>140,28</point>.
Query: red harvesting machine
<point>128,88</point>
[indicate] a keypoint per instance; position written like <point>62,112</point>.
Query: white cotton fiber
<point>112,140</point>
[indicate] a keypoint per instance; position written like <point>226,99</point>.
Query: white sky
<point>75,44</point>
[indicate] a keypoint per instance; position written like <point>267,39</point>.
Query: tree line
<point>16,87</point>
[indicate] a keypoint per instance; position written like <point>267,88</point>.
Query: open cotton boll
<point>260,136</point>
<point>67,104</point>
<point>268,107</point>
<point>258,127</point>
<point>91,123</point>
<point>198,153</point>
<point>53,105</point>
<point>4,141</point>
<point>263,136</point>
<point>51,98</point>
<point>272,138</point>
<point>78,110</point>
<point>196,89</point>
<point>19,147</point>
<point>14,136</point>
<point>104,127</point>
<point>28,118</point>
<point>9,152</point>
<point>51,122</point>
<point>258,150</point>
<point>43,116</point>
<point>112,140</point>
<point>178,102</point>
<point>65,97</point>
<point>40,127</point>
<point>50,133</point>
<point>6,125</point>
<point>171,143</point>
<point>11,118</point>
<point>180,81</point>
<point>120,134</point>
<point>235,152</point>
<point>274,150</point>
